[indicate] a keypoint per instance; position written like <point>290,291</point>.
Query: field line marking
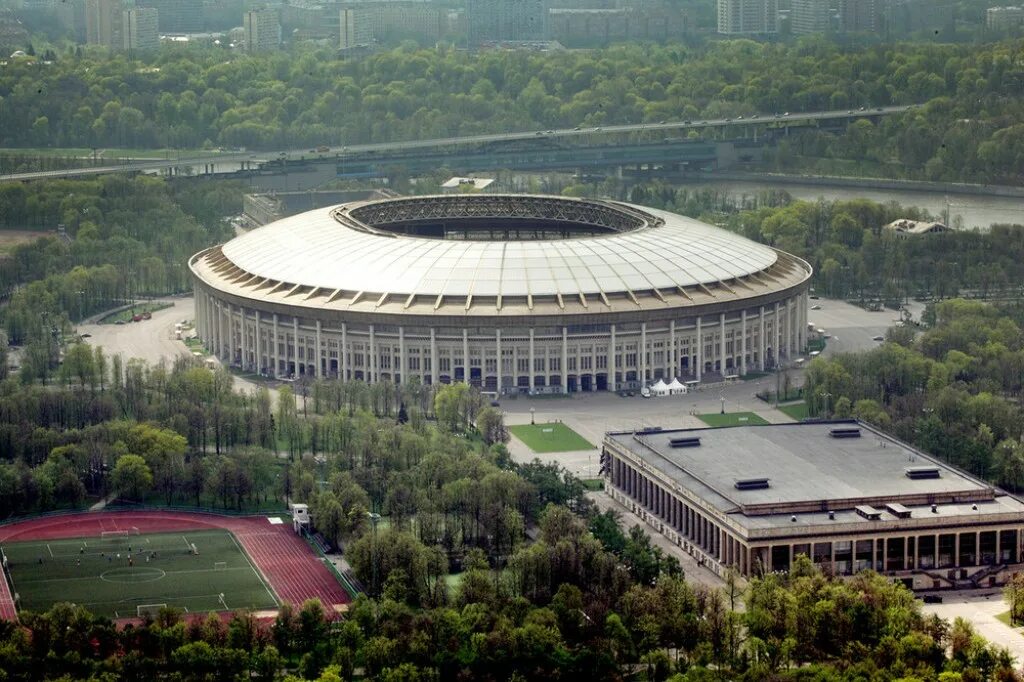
<point>259,574</point>
<point>166,573</point>
<point>49,550</point>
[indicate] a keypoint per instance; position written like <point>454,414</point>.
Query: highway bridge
<point>578,136</point>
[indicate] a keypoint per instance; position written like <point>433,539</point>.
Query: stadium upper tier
<point>487,254</point>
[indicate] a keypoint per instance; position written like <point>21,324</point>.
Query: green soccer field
<point>732,419</point>
<point>554,437</point>
<point>126,575</point>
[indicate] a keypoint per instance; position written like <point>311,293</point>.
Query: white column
<point>402,364</point>
<point>611,362</point>
<point>670,357</point>
<point>433,358</point>
<point>777,341</point>
<point>531,360</point>
<point>760,340</point>
<point>274,352</point>
<point>220,331</point>
<point>371,365</point>
<point>721,342</point>
<point>789,327</point>
<point>593,365</point>
<point>258,365</point>
<point>642,359</point>
<point>700,351</point>
<point>465,356</point>
<point>319,351</point>
<point>244,342</point>
<point>295,342</point>
<point>743,342</point>
<point>343,364</point>
<point>565,360</point>
<point>499,365</point>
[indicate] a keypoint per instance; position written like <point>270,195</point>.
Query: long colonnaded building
<point>511,293</point>
<point>841,493</point>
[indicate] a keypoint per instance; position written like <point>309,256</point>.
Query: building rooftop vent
<point>898,510</point>
<point>845,432</point>
<point>751,484</point>
<point>687,442</point>
<point>868,512</point>
<point>922,472</point>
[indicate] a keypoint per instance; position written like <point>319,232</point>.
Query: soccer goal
<point>220,565</point>
<point>113,534</point>
<point>153,610</point>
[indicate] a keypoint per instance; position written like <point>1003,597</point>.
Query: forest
<point>968,128</point>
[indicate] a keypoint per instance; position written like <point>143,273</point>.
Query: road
<point>342,151</point>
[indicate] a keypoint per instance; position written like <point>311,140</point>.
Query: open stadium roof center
<point>508,292</point>
<point>841,493</point>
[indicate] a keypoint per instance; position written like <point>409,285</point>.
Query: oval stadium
<point>511,293</point>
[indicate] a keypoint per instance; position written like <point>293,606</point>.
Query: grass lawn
<point>1004,618</point>
<point>553,437</point>
<point>593,483</point>
<point>797,411</point>
<point>732,419</point>
<point>95,572</point>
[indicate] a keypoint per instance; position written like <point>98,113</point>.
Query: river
<point>973,210</point>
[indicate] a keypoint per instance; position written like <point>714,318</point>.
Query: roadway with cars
<point>342,151</point>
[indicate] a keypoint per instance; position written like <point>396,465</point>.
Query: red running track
<point>294,573</point>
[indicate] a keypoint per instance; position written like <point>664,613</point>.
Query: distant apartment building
<point>916,16</point>
<point>140,29</point>
<point>858,16</point>
<point>595,27</point>
<point>1004,18</point>
<point>809,16</point>
<point>103,23</point>
<point>262,30</point>
<point>748,17</point>
<point>506,20</point>
<point>420,20</point>
<point>356,31</point>
<point>178,16</point>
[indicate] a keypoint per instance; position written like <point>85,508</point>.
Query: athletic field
<point>124,573</point>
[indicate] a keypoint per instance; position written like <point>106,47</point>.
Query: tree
<point>132,476</point>
<point>491,424</point>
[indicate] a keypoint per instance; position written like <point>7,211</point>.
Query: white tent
<point>660,388</point>
<point>676,387</point>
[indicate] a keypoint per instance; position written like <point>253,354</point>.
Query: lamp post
<point>721,397</point>
<point>374,518</point>
<point>532,411</point>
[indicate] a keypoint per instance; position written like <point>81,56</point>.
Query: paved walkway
<point>980,608</point>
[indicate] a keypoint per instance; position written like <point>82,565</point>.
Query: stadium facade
<point>511,293</point>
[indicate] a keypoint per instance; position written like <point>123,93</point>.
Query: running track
<point>287,563</point>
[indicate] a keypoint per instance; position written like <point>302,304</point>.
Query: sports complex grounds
<point>130,564</point>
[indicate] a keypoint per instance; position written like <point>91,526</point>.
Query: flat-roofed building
<point>809,16</point>
<point>842,493</point>
<point>748,17</point>
<point>262,30</point>
<point>140,29</point>
<point>1004,18</point>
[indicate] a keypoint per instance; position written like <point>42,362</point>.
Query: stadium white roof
<point>317,249</point>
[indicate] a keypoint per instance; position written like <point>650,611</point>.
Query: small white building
<point>458,184</point>
<point>904,227</point>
